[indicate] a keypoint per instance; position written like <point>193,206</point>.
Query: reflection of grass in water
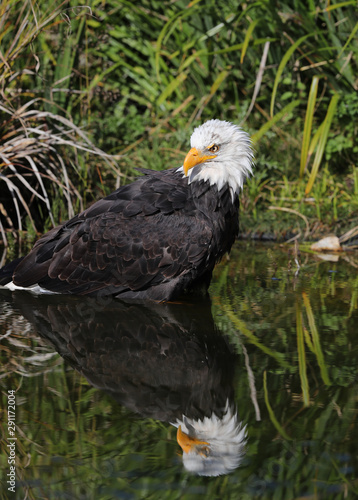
<point>75,439</point>
<point>260,293</point>
<point>250,336</point>
<point>315,345</point>
<point>302,356</point>
<point>246,297</point>
<point>272,413</point>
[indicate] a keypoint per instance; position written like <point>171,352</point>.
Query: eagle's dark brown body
<point>161,361</point>
<point>153,239</point>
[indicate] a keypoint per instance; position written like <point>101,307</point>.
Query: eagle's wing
<point>143,235</point>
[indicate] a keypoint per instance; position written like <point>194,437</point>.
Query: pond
<point>268,363</point>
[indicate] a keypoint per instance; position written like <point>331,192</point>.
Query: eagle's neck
<point>213,200</point>
<point>220,210</point>
<point>229,178</point>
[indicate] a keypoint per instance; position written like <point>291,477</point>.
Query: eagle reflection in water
<point>166,362</point>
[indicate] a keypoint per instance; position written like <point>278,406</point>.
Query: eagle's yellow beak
<point>186,442</point>
<point>193,158</point>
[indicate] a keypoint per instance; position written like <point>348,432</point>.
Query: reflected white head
<point>214,445</point>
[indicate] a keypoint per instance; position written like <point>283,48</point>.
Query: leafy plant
<point>136,77</point>
<point>34,164</point>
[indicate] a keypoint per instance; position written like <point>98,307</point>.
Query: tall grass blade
<point>247,38</point>
<point>273,418</point>
<point>43,189</point>
<point>314,141</point>
<point>258,80</point>
<point>302,356</point>
<point>281,67</point>
<point>189,60</point>
<point>338,5</point>
<point>238,46</point>
<point>308,123</point>
<point>309,340</point>
<point>266,127</point>
<point>218,81</point>
<point>180,15</point>
<point>173,85</point>
<point>350,38</point>
<point>322,142</point>
<point>65,64</point>
<point>29,29</point>
<point>20,177</point>
<point>241,326</point>
<point>315,339</point>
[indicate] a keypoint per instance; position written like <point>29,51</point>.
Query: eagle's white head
<point>220,153</point>
<point>212,446</point>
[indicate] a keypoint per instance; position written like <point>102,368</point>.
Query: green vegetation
<point>130,80</point>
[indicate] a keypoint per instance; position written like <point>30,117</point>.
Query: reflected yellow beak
<point>194,157</point>
<point>186,442</point>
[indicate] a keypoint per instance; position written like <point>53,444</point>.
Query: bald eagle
<point>155,238</point>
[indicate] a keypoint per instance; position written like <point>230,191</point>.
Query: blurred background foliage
<point>92,78</point>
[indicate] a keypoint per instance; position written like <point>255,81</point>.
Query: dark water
<point>100,385</point>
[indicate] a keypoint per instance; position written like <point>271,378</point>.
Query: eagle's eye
<point>214,148</point>
<point>204,451</point>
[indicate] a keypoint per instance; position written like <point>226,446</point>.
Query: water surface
<point>99,385</point>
